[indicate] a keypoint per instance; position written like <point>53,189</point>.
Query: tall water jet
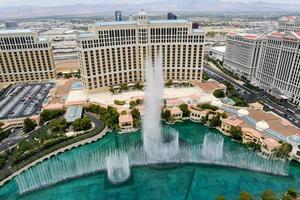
<point>158,143</point>
<point>118,169</point>
<point>212,148</point>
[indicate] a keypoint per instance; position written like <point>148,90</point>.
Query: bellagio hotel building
<point>113,53</point>
<point>24,57</point>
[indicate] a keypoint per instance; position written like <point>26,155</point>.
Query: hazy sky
<point>63,2</point>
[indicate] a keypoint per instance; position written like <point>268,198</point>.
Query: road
<point>253,96</point>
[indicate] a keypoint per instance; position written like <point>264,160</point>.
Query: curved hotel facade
<point>114,52</point>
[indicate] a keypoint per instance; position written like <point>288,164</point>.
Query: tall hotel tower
<point>114,52</point>
<point>24,58</point>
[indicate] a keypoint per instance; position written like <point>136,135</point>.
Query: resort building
<point>250,135</point>
<point>24,57</point>
<point>229,123</point>
<point>115,52</point>
<point>242,52</point>
<point>196,115</point>
<point>278,70</point>
<point>176,113</point>
<point>269,145</point>
<point>289,23</point>
<point>126,122</point>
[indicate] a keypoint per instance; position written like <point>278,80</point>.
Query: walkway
<point>61,150</point>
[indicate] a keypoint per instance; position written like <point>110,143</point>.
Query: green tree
<point>284,150</point>
<point>291,194</point>
<point>219,93</point>
<point>58,125</point>
<point>29,125</point>
<point>185,110</point>
<point>268,195</point>
<point>169,83</point>
<point>245,196</point>
<point>124,87</point>
<point>204,119</point>
<point>47,115</point>
<point>82,124</point>
<point>215,121</point>
<point>221,198</point>
<point>236,133</point>
<point>136,118</point>
<point>166,114</point>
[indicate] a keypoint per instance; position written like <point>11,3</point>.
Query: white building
<point>217,53</point>
<point>289,23</point>
<point>114,52</point>
<point>242,51</point>
<point>278,70</point>
<point>24,57</point>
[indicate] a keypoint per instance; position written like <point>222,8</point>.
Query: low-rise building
<point>229,123</point>
<point>251,135</point>
<point>217,53</point>
<point>269,145</point>
<point>126,122</point>
<point>196,115</point>
<point>210,86</point>
<point>170,103</point>
<point>176,113</point>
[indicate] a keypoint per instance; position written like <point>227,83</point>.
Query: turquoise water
<point>176,182</point>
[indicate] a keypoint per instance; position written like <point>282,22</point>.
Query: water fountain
<point>212,147</point>
<point>118,169</point>
<point>160,146</point>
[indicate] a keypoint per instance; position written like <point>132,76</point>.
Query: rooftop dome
<point>142,13</point>
<point>243,112</point>
<point>294,139</point>
<point>262,125</point>
<point>217,103</point>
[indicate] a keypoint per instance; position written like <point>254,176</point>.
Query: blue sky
<point>63,2</point>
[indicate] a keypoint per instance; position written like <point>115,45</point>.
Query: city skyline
<point>12,3</point>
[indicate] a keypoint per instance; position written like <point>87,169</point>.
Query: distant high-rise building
<point>115,52</point>
<point>24,58</point>
<point>289,23</point>
<point>118,16</point>
<point>11,25</point>
<point>195,25</point>
<point>171,16</point>
<point>242,52</point>
<point>278,70</point>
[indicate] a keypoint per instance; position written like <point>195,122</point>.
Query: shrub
<point>124,87</point>
<point>120,103</point>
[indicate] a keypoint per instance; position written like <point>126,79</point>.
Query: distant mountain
<point>174,5</point>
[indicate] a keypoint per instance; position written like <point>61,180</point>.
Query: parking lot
<point>21,100</point>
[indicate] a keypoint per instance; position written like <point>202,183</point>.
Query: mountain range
<point>169,5</point>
